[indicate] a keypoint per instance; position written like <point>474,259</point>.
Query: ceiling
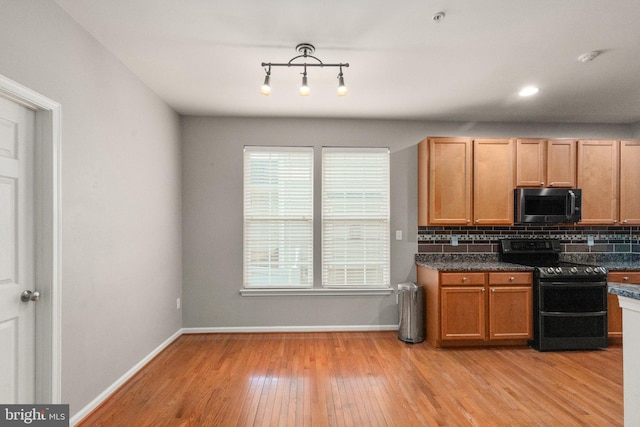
<point>203,57</point>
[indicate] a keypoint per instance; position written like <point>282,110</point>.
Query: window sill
<point>316,292</point>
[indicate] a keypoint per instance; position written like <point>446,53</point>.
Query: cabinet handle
<point>493,291</point>
<point>626,279</point>
<point>483,290</point>
<point>512,278</point>
<point>468,221</point>
<point>477,221</point>
<point>542,183</point>
<point>625,221</point>
<point>551,184</point>
<point>615,221</point>
<point>464,279</point>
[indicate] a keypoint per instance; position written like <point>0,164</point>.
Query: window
<point>278,217</point>
<point>355,217</point>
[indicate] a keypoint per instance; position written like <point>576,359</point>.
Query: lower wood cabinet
<point>510,312</point>
<point>477,308</point>
<point>614,314</point>
<point>463,312</point>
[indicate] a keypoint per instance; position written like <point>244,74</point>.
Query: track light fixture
<point>306,51</point>
<point>265,89</point>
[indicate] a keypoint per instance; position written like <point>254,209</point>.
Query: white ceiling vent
<point>589,56</point>
<point>438,17</point>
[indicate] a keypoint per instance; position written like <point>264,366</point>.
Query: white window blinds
<point>278,217</point>
<point>355,217</point>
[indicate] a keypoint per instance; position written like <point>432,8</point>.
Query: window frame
<point>277,211</point>
<point>316,288</point>
<point>356,218</point>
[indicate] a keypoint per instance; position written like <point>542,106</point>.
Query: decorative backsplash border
<point>577,239</point>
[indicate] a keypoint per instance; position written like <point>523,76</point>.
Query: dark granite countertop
<point>491,262</point>
<point>620,266</point>
<point>611,261</point>
<point>625,290</point>
<point>467,262</point>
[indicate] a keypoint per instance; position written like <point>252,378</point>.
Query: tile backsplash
<point>576,239</point>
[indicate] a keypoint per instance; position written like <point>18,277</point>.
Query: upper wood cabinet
<point>630,182</point>
<point>545,163</point>
<point>561,163</point>
<point>449,163</point>
<point>446,194</point>
<point>493,181</point>
<point>465,181</point>
<point>530,162</point>
<point>598,179</point>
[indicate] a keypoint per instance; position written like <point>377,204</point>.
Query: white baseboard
<point>322,328</point>
<point>78,416</point>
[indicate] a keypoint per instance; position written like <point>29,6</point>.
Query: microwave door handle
<point>571,205</point>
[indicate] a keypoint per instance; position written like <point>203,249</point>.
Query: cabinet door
<point>561,163</point>
<point>510,312</point>
<point>493,183</point>
<point>630,182</point>
<point>450,181</point>
<point>614,314</point>
<point>598,178</point>
<point>530,162</point>
<point>463,313</point>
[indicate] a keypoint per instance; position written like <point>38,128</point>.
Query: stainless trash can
<point>410,298</point>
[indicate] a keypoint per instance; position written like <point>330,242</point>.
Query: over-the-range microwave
<point>547,205</point>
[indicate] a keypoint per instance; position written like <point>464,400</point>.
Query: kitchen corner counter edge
<point>624,290</point>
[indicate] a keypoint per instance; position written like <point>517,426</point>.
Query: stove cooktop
<point>544,255</point>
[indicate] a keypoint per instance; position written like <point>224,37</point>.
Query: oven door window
<point>572,298</point>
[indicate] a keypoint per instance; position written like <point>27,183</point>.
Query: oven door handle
<point>578,284</point>
<point>565,314</point>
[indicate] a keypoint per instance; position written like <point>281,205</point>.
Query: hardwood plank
<point>364,378</point>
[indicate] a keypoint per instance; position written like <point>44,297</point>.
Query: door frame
<point>47,227</point>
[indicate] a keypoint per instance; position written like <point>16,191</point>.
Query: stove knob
<point>603,270</point>
<point>550,270</point>
<point>588,270</point>
<point>573,270</point>
<point>559,270</point>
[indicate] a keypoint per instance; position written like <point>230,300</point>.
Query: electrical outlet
<point>590,241</point>
<point>398,234</point>
<point>177,303</point>
<point>454,240</point>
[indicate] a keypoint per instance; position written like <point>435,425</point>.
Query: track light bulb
<point>342,89</point>
<point>304,89</point>
<point>265,89</point>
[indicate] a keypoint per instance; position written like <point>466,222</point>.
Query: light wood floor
<point>364,379</point>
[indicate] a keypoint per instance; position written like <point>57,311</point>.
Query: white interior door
<point>17,318</point>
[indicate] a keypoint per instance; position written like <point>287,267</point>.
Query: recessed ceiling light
<point>528,91</point>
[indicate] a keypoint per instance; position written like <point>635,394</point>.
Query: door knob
<point>27,296</point>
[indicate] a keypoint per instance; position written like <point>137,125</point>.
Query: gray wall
<point>212,211</point>
<point>635,130</point>
<point>121,212</point>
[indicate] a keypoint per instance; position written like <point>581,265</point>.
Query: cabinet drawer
<point>462,279</point>
<point>511,278</point>
<point>625,277</point>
